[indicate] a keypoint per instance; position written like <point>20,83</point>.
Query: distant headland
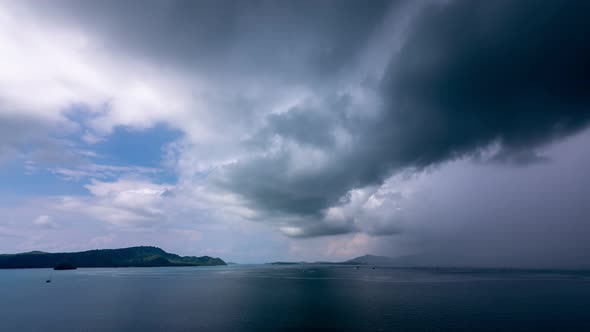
<point>143,256</point>
<point>362,260</point>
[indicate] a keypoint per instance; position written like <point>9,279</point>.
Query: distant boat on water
<point>64,266</point>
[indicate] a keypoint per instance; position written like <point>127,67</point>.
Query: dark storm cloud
<point>470,74</point>
<point>265,180</point>
<point>230,38</point>
<point>476,72</point>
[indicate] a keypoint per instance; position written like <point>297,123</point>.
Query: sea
<point>294,298</point>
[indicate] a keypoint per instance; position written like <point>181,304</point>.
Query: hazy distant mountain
<point>362,260</point>
<point>373,260</point>
<point>401,261</point>
<point>125,257</point>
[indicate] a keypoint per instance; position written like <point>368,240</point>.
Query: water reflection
<point>252,298</point>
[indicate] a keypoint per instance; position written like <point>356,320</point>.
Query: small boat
<point>64,266</point>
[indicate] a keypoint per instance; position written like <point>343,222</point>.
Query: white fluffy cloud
<point>45,221</point>
<point>126,203</point>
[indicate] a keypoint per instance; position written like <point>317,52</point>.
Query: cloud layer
<point>471,79</point>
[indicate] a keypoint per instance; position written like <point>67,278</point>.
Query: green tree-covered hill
<point>126,257</point>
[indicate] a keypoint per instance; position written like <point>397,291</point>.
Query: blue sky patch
<point>127,146</point>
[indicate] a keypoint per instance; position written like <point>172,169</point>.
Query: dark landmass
<point>125,257</point>
<point>362,260</point>
<point>373,260</point>
<point>287,263</point>
<point>64,266</point>
<point>307,263</point>
<point>418,262</point>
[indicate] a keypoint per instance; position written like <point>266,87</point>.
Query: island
<point>142,256</point>
<point>362,260</point>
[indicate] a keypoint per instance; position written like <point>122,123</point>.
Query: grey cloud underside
<point>474,72</point>
<point>20,133</point>
<point>12,134</point>
<point>471,73</point>
<point>232,39</point>
<point>231,46</point>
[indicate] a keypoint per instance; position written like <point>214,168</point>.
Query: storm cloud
<point>228,39</point>
<point>476,72</point>
<point>508,77</point>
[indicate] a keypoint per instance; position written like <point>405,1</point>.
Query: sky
<point>442,132</point>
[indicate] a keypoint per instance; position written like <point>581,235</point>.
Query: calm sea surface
<point>254,298</point>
